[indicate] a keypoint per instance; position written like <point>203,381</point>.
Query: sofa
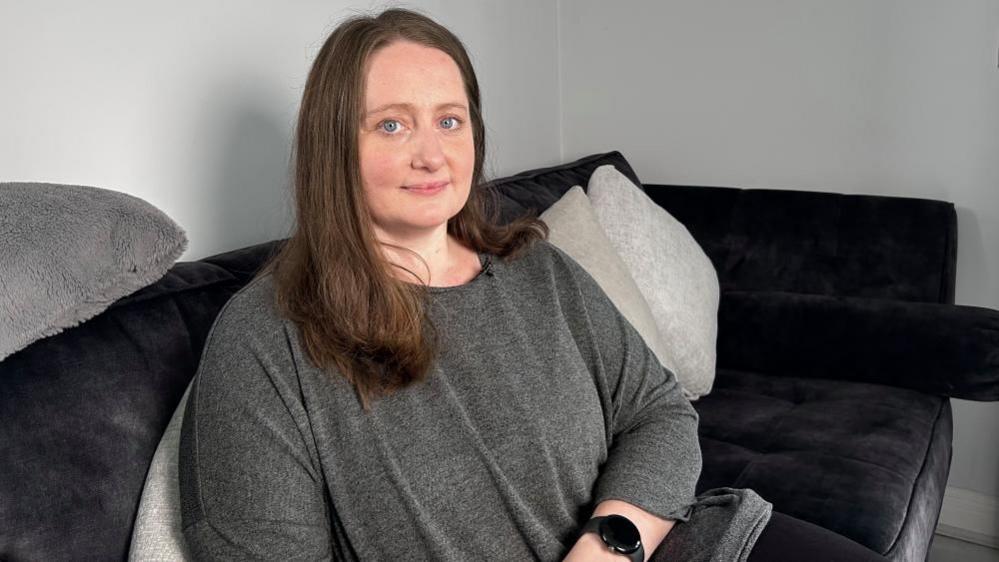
<point>838,348</point>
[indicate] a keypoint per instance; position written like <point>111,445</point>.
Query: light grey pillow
<point>574,229</point>
<point>67,252</point>
<point>674,274</point>
<point>158,533</point>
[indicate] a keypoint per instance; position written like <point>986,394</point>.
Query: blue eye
<point>386,122</point>
<point>455,119</point>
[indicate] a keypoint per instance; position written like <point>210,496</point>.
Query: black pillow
<point>533,191</point>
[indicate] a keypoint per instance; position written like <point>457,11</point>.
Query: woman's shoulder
<point>543,257</point>
<point>548,264</point>
<point>250,314</point>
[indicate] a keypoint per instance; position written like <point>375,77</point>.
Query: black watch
<point>619,534</point>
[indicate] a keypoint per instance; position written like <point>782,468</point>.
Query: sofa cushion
<point>84,410</point>
<point>158,533</point>
<point>673,273</point>
<point>69,251</point>
<point>574,229</point>
<point>850,457</point>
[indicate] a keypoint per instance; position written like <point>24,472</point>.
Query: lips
<point>430,186</point>
<point>428,189</point>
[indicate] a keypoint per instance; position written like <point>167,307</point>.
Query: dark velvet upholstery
<point>533,191</point>
<point>791,415</point>
<point>244,263</point>
<point>821,243</point>
<point>83,411</point>
<point>845,456</point>
<point>936,348</point>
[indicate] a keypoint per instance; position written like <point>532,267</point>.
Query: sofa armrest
<point>944,349</point>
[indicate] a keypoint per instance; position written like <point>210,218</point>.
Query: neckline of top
<point>485,261</point>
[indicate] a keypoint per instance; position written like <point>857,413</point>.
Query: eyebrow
<point>409,107</point>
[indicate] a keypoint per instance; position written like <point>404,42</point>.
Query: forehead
<point>406,72</point>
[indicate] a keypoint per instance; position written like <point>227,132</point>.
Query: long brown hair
<point>331,277</point>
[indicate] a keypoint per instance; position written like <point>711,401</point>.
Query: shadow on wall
<point>249,176</point>
<point>973,278</point>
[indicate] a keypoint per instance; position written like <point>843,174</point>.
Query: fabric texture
<point>157,535</point>
<point>574,228</point>
<point>532,191</point>
<point>810,242</point>
<point>70,251</point>
<point>943,349</point>
<point>674,274</point>
<point>544,402</point>
<point>866,461</point>
<point>788,539</point>
<point>83,411</point>
<point>740,514</point>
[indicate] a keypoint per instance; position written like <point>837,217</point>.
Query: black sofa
<point>838,347</point>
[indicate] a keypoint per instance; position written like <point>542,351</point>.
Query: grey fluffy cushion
<point>67,252</point>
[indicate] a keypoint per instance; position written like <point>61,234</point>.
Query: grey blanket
<point>723,527</point>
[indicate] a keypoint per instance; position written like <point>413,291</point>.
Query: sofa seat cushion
<point>850,457</point>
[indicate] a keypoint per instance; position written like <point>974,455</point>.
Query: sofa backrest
<point>821,243</point>
<point>783,240</point>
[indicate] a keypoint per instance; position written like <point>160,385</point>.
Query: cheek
<point>464,161</point>
<point>380,169</point>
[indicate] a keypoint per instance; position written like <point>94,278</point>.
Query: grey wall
<point>895,97</point>
<point>191,105</point>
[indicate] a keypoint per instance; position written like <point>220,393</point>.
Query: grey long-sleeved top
<point>544,402</point>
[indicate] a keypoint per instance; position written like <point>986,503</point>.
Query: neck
<point>434,259</point>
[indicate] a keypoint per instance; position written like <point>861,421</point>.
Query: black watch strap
<point>619,534</point>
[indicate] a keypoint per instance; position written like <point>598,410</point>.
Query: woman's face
<point>416,147</point>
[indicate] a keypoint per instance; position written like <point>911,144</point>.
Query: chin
<point>437,218</point>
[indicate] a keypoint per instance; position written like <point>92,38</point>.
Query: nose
<point>427,150</point>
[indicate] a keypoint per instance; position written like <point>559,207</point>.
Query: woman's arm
<point>654,458</point>
<point>250,488</point>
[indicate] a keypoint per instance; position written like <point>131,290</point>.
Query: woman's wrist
<point>652,528</point>
<point>590,547</point>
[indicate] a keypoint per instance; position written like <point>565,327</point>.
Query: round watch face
<point>620,533</point>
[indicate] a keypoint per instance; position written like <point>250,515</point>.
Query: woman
<point>406,380</point>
